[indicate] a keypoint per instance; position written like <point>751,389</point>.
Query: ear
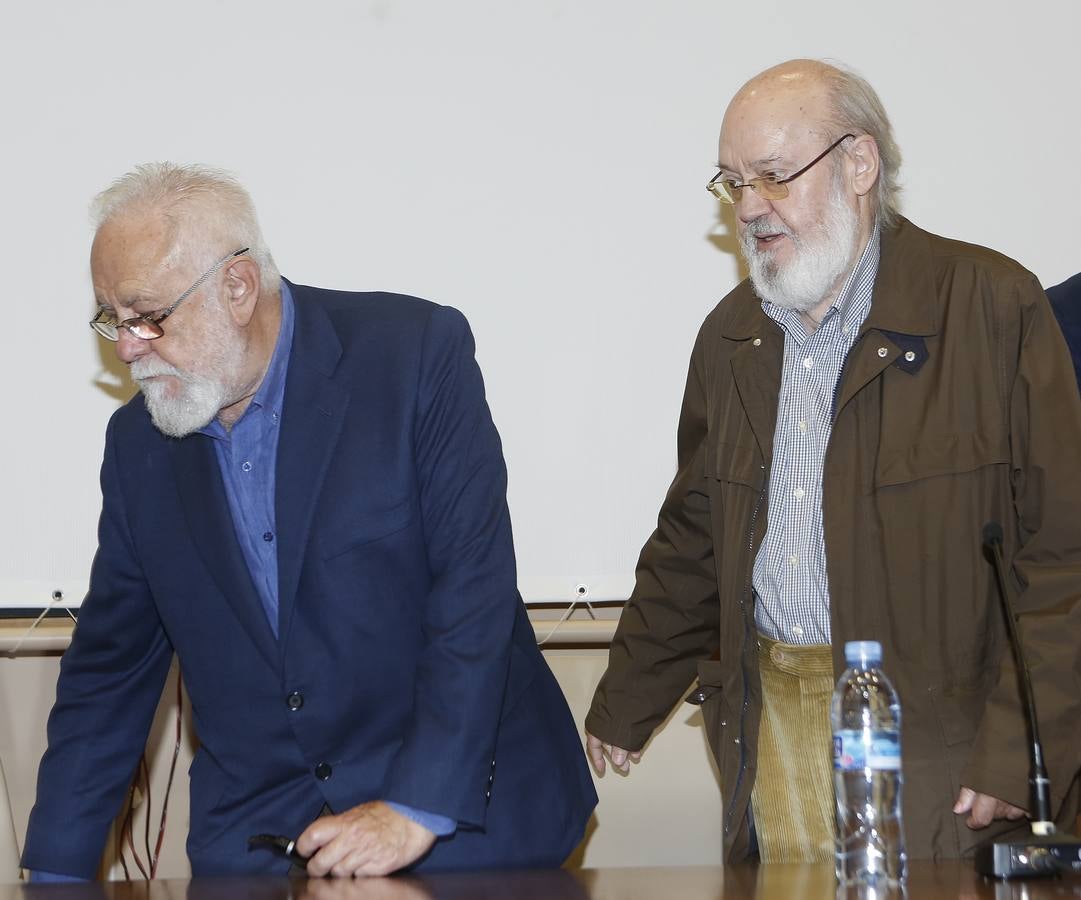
<point>240,289</point>
<point>863,156</point>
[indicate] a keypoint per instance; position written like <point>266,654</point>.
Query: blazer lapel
<point>202,496</point>
<point>312,417</point>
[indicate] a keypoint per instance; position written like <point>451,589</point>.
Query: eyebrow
<point>757,164</point>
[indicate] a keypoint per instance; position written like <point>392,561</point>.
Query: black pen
<point>286,845</point>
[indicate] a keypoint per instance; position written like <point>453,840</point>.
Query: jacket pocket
<point>737,464</point>
<point>354,528</point>
<point>945,454</point>
<point>709,695</point>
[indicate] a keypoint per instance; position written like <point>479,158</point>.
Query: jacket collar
<point>313,412</point>
<point>905,299</point>
<point>312,418</point>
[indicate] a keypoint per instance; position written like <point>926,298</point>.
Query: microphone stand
<point>1045,852</point>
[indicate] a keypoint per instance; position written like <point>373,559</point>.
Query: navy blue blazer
<point>406,667</point>
<point>1066,302</point>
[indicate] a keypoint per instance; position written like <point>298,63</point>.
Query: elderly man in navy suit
<point>306,503</point>
<point>1066,302</point>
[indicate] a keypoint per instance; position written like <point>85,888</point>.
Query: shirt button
<point>273,417</point>
<point>802,426</point>
<point>882,351</point>
<point>808,363</point>
<point>797,631</point>
<point>798,493</point>
<point>845,329</point>
<point>794,559</point>
<point>295,700</point>
<point>245,466</point>
<point>268,536</point>
<point>323,771</point>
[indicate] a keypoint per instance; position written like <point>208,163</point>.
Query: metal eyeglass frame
<point>775,188</point>
<point>106,324</point>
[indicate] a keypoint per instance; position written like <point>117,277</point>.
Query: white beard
<point>819,262</point>
<point>202,394</point>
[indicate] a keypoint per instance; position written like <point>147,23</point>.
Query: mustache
<point>151,368</point>
<point>760,226</point>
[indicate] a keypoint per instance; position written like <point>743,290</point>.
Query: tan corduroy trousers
<point>792,796</point>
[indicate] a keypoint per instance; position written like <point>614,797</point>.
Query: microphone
<point>1045,852</point>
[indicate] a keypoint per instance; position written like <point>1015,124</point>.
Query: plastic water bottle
<point>866,718</point>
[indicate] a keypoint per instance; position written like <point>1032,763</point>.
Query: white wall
<point>539,165</point>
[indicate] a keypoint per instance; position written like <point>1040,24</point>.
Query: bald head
<point>808,98</point>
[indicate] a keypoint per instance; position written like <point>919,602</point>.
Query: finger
<point>328,858</point>
<point>359,861</point>
<point>595,751</point>
<point>619,760</point>
<point>636,756</point>
<point>1013,813</point>
<point>983,811</point>
<point>320,832</point>
<point>964,800</point>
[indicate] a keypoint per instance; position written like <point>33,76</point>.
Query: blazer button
<point>323,771</point>
<point>295,700</point>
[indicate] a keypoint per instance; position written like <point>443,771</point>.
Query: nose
<point>130,348</point>
<point>750,206</point>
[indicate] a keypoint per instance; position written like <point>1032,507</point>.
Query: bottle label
<point>866,749</point>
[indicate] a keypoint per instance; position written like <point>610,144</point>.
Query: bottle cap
<point>864,654</point>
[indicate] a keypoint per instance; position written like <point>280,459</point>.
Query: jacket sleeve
<point>1045,577</point>
<point>111,678</point>
<point>672,618</point>
<point>446,756</point>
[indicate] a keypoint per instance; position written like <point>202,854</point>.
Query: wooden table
<point>927,881</point>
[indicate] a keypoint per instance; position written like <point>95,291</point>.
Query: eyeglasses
<point>148,327</point>
<point>767,187</point>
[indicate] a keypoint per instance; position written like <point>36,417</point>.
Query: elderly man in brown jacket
<point>854,414</point>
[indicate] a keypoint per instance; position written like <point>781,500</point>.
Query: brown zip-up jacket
<point>957,406</point>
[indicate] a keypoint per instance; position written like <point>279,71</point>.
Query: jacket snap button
<point>757,342</point>
<point>294,701</point>
<point>323,771</point>
<point>882,351</point>
<point>910,356</point>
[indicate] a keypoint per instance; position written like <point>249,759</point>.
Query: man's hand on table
<point>621,759</point>
<point>370,839</point>
<point>983,809</point>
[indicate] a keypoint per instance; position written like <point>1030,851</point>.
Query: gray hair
<point>223,209</point>
<point>857,108</point>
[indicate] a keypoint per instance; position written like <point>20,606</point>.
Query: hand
<point>370,839</point>
<point>621,759</point>
<point>983,808</point>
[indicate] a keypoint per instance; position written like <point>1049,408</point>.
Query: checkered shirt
<point>793,598</point>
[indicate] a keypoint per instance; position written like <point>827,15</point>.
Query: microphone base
<point>1032,856</point>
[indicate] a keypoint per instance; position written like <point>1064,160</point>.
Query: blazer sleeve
<point>1045,441</point>
<point>445,759</point>
<point>672,619</point>
<point>111,678</point>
